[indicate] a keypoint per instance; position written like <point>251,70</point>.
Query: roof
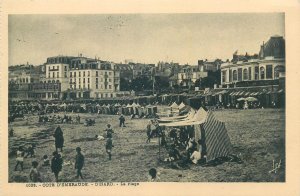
<point>274,47</point>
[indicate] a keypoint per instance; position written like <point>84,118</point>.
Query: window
<point>269,72</point>
<point>79,74</point>
<point>48,74</point>
<point>109,86</point>
<point>53,74</point>
<point>223,76</point>
<point>230,75</point>
<point>88,73</point>
<point>57,74</point>
<point>70,74</point>
<point>97,75</point>
<point>83,80</point>
<point>83,73</point>
<point>96,86</point>
<point>88,86</point>
<point>74,74</point>
<point>249,73</point>
<point>234,75</point>
<point>245,74</point>
<point>71,81</point>
<point>65,68</point>
<point>88,80</point>
<point>278,69</point>
<point>109,73</point>
<point>240,74</point>
<point>65,74</point>
<point>109,80</point>
<point>256,73</point>
<point>262,73</point>
<point>96,80</point>
<point>26,80</point>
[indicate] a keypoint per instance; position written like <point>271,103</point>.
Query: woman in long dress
<point>59,138</point>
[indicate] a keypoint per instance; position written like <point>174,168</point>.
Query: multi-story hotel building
<point>82,77</point>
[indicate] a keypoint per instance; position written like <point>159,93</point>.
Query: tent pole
<point>159,147</point>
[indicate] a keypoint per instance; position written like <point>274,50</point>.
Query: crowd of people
<point>182,148</point>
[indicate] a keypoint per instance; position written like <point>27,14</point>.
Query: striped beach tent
<point>215,137</point>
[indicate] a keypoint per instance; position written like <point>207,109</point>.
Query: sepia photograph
<point>191,97</point>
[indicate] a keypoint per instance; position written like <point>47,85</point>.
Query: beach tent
<point>210,130</point>
<point>181,106</point>
<point>197,118</point>
<point>174,106</point>
<point>189,115</point>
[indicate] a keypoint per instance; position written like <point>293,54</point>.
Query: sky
<point>143,38</point>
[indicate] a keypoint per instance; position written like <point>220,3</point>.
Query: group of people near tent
<point>196,137</point>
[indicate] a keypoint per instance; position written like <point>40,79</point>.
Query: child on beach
<point>46,160</point>
<point>56,164</point>
<point>20,158</point>
<point>35,175</point>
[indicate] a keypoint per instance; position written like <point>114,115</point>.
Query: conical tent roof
<point>174,105</point>
<point>133,104</point>
<point>181,105</point>
<point>198,118</point>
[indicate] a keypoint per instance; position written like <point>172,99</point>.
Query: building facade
<point>264,70</point>
<point>82,77</point>
<point>188,75</point>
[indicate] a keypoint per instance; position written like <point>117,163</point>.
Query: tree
<point>211,79</point>
<point>124,84</point>
<point>141,83</point>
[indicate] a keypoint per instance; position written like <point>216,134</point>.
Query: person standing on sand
<point>35,175</point>
<point>20,158</point>
<point>108,147</point>
<point>56,164</point>
<point>122,121</point>
<point>149,131</point>
<point>59,138</point>
<point>79,162</point>
<point>109,131</point>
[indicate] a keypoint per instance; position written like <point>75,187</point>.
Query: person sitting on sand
<point>35,175</point>
<point>195,157</point>
<point>46,161</point>
<point>56,164</point>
